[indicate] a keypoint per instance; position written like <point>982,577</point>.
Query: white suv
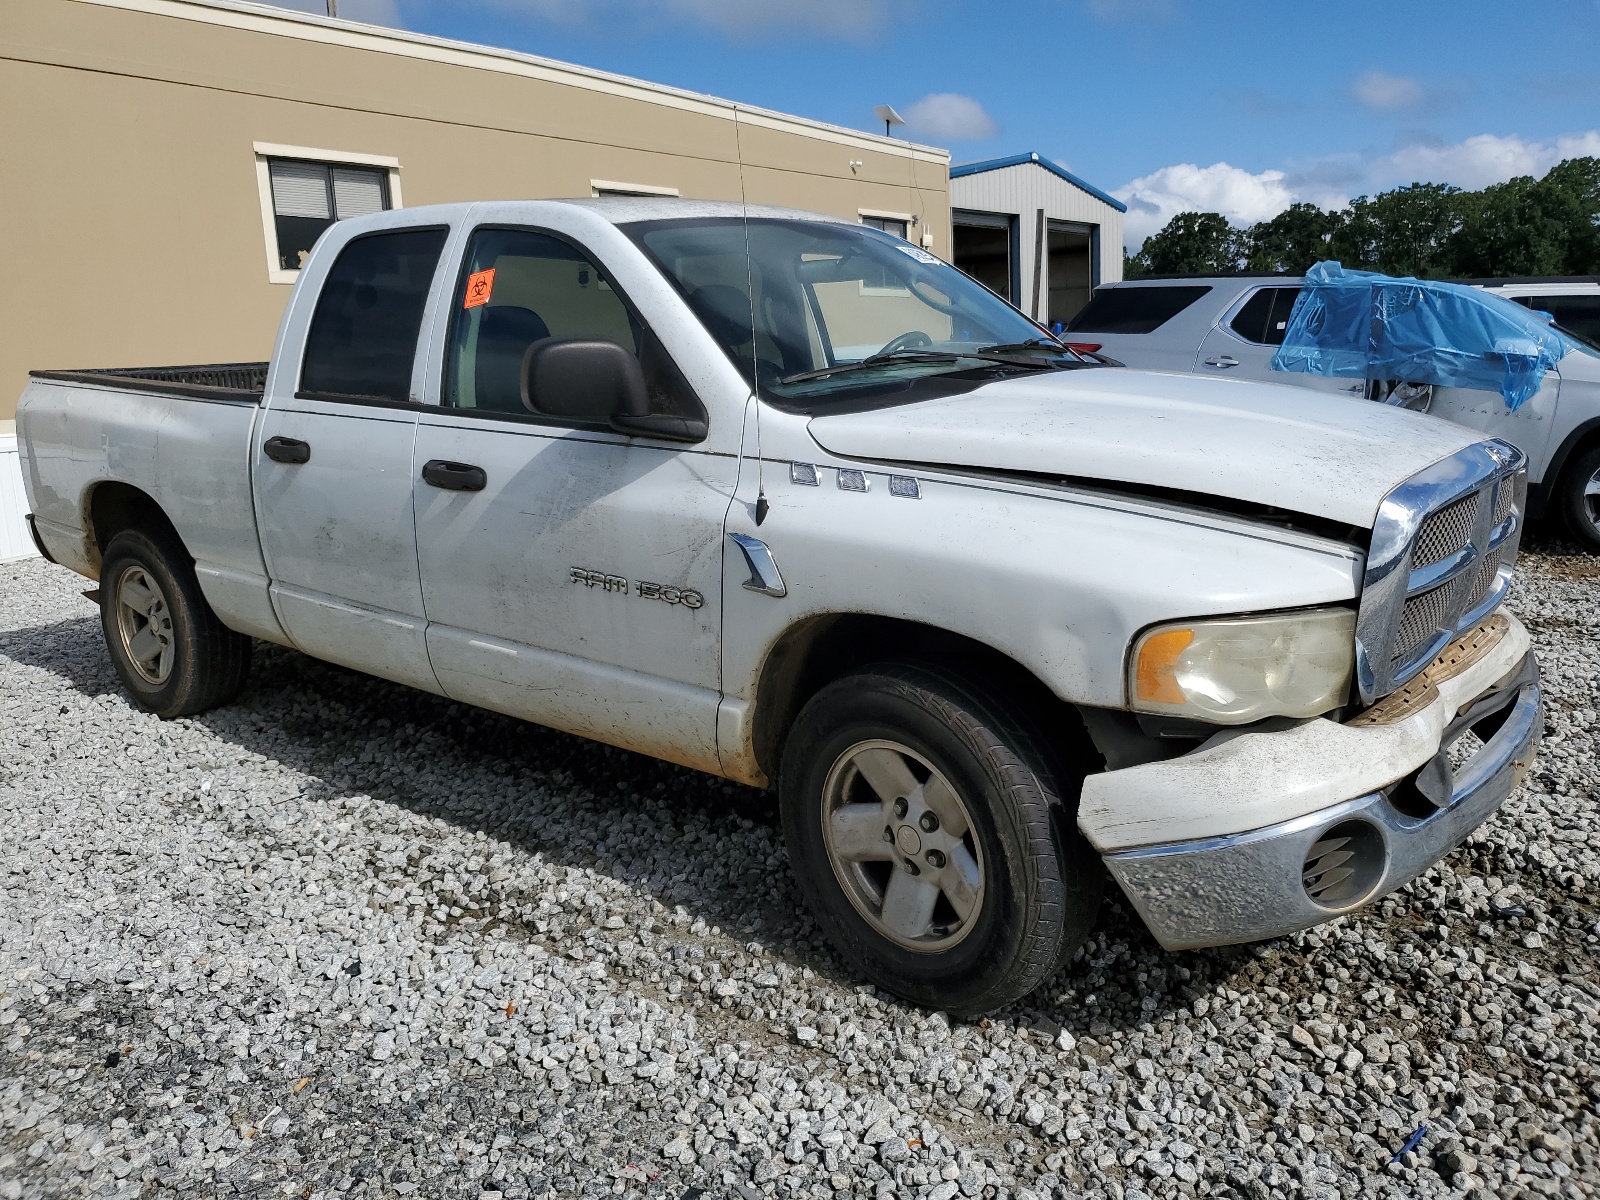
<point>1233,325</point>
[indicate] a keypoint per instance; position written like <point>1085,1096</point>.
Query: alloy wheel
<point>902,845</point>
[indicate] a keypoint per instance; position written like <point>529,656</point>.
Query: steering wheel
<point>914,340</point>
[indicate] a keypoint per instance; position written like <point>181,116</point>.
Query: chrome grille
<point>1420,620</point>
<point>1504,500</point>
<point>1446,532</point>
<point>1482,580</point>
<point>1433,566</point>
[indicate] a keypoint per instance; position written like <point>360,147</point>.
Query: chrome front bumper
<point>1249,886</point>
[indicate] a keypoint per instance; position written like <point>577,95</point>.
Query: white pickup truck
<point>787,499</point>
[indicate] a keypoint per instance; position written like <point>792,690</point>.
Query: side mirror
<point>599,382</point>
<point>583,379</point>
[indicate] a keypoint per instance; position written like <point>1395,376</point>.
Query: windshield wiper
<point>874,360</point>
<point>1030,344</point>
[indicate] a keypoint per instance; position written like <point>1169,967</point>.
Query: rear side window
<point>1135,309</point>
<point>1265,316</point>
<point>364,332</point>
<point>1579,314</point>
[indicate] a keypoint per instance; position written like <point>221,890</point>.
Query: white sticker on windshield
<point>918,253</point>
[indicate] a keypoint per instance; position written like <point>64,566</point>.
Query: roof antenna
<point>889,117</point>
<point>762,507</point>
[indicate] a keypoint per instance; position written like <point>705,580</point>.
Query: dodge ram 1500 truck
<point>787,499</point>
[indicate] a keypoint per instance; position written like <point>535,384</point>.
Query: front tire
<point>931,842</point>
<point>1580,499</point>
<point>169,648</point>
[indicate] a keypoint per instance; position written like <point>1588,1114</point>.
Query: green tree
<point>1291,241</point>
<point>1192,243</point>
<point>1406,231</point>
<point>1529,226</point>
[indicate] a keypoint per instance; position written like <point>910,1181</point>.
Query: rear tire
<point>169,648</point>
<point>1579,497</point>
<point>930,840</point>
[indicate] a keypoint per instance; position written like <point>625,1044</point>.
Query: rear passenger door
<point>333,461</point>
<point>1249,333</point>
<point>571,574</point>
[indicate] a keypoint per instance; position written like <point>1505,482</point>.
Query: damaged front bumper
<point>1323,861</point>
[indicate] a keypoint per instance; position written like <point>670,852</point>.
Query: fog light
<point>1344,865</point>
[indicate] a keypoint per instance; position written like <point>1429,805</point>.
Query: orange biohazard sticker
<point>479,285</point>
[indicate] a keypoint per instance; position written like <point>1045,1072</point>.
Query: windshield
<point>840,308</point>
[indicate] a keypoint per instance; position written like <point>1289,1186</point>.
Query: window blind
<point>357,192</point>
<point>300,189</point>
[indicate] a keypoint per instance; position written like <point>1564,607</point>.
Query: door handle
<point>454,476</point>
<point>1222,360</point>
<point>287,450</point>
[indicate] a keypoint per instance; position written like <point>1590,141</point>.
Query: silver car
<point>1233,325</point>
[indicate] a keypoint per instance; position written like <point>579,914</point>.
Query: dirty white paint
<point>1242,781</point>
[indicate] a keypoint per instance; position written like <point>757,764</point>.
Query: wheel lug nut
<point>912,867</point>
<point>929,822</point>
<point>900,807</point>
<point>935,859</point>
<point>888,833</point>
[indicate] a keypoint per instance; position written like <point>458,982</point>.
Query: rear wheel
<point>930,840</point>
<point>169,648</point>
<point>1580,499</point>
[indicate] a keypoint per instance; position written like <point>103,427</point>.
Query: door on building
<point>1071,268</point>
<point>986,248</point>
<point>333,468</point>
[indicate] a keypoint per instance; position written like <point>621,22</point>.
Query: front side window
<point>363,337</point>
<point>812,309</point>
<point>307,197</point>
<point>520,286</point>
<point>1134,309</point>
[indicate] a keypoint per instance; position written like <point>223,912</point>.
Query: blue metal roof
<point>1018,160</point>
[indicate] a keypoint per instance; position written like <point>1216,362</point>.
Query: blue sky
<point>1239,106</point>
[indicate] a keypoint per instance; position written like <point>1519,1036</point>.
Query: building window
<point>899,226</point>
<point>303,190</point>
<point>611,187</point>
<point>307,197</point>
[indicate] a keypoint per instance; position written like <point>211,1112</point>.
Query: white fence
<point>14,539</point>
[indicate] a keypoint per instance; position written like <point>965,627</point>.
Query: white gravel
<point>342,938</point>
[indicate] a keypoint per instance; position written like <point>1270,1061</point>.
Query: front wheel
<point>930,840</point>
<point>1580,499</point>
<point>169,648</point>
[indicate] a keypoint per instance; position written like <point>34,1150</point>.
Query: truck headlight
<point>1234,670</point>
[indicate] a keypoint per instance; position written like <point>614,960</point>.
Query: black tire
<point>201,663</point>
<point>1580,503</point>
<point>1040,882</point>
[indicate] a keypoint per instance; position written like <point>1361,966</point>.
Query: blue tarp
<point>1361,325</point>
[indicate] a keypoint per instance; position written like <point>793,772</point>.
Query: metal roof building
<point>1035,233</point>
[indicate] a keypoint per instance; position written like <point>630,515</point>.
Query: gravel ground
<point>341,938</point>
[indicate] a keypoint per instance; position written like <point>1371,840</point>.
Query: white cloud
<point>1243,198</point>
<point>1478,161</point>
<point>1387,93</point>
<point>950,116</point>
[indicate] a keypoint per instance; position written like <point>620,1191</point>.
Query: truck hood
<point>1258,443</point>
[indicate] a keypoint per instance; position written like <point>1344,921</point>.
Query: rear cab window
<point>1135,309</point>
<point>1579,314</point>
<point>1264,318</point>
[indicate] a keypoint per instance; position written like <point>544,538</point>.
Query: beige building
<point>163,163</point>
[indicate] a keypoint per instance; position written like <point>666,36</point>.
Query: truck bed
<point>181,436</point>
<point>236,382</point>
